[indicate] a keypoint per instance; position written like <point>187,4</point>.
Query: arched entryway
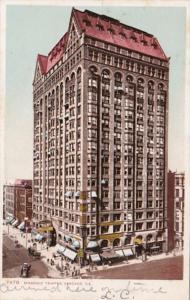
<point>104,244</point>
<point>127,240</point>
<point>116,242</point>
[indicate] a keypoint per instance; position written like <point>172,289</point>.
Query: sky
<point>36,29</point>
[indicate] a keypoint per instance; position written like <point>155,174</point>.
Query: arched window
<point>106,74</point>
<point>129,78</point>
<point>118,77</point>
<point>151,85</point>
<point>160,87</point>
<point>127,240</point>
<point>73,76</point>
<point>116,242</point>
<point>93,69</point>
<point>149,237</point>
<point>79,72</point>
<point>104,244</point>
<point>140,81</point>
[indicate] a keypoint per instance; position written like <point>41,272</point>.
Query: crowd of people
<point>66,267</point>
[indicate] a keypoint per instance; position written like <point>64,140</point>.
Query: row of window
<point>130,65</point>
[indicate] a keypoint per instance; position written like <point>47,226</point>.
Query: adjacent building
<point>179,209</point>
<point>18,200</point>
<point>171,210</point>
<point>100,101</point>
<point>9,200</point>
<point>176,197</point>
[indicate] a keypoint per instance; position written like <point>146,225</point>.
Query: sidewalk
<point>47,254</point>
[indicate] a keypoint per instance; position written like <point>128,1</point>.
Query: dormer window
<point>122,35</point>
<point>133,36</point>
<point>99,27</point>
<point>154,43</point>
<point>111,30</point>
<point>143,40</point>
<point>86,22</point>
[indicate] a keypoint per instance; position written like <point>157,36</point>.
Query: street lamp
<point>83,235</point>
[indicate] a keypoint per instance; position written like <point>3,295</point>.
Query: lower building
<point>175,210</point>
<point>170,210</point>
<point>179,209</point>
<point>18,200</point>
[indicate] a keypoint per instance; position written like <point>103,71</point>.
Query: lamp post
<point>8,228</point>
<point>83,234</point>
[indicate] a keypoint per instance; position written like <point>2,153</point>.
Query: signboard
<point>111,236</point>
<point>47,228</point>
<point>128,252</point>
<point>95,257</point>
<point>119,252</point>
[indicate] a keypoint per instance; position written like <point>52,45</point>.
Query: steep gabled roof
<point>42,59</point>
<point>114,32</point>
<point>56,53</point>
<point>108,30</point>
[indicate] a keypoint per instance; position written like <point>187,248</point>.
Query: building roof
<point>23,182</point>
<point>42,62</point>
<point>57,52</point>
<point>108,30</point>
<point>112,31</point>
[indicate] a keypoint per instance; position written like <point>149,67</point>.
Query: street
<point>157,267</point>
<point>164,269</point>
<point>14,257</point>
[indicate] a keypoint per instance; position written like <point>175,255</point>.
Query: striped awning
<point>15,223</point>
<point>21,226</point>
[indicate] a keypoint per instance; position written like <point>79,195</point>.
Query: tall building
<point>100,100</point>
<point>18,200</point>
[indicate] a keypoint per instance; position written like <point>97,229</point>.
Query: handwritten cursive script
<point>80,289</point>
<point>4,288</point>
<point>128,293</point>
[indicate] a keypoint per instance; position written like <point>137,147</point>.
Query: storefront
<point>110,256</point>
<point>49,234</point>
